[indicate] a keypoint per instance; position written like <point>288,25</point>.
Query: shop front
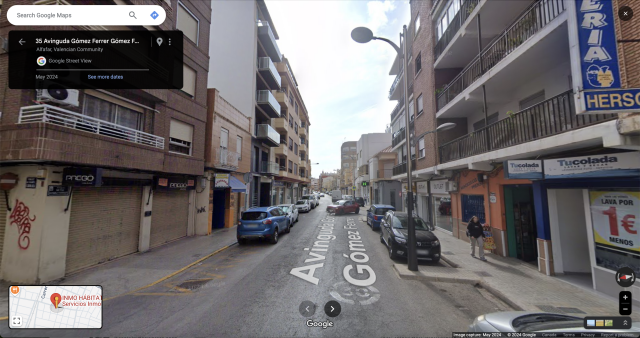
<point>171,205</point>
<point>587,211</point>
<point>441,206</point>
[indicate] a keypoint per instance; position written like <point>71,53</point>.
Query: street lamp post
<point>364,35</point>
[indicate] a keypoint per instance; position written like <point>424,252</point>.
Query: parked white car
<point>313,200</point>
<point>291,211</point>
<point>303,206</point>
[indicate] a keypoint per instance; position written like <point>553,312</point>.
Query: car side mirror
<point>369,209</point>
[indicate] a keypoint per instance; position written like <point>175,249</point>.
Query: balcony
<point>268,103</point>
<point>267,135</point>
<point>283,172</point>
<point>268,40</point>
<point>397,109</point>
<point>463,14</point>
<point>303,147</point>
<point>536,17</point>
<point>269,73</point>
<point>226,159</point>
<point>302,165</point>
<point>398,137</point>
<point>281,125</point>
<point>282,150</point>
<point>65,118</point>
<point>402,167</point>
<point>302,131</point>
<point>554,116</point>
<point>393,93</point>
<point>269,168</point>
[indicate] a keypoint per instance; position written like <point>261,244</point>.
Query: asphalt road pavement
<point>256,290</point>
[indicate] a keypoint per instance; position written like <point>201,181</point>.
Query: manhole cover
<point>194,284</point>
<point>570,310</point>
<point>448,253</point>
<point>483,274</point>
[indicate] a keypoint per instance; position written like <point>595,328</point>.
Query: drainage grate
<point>194,284</point>
<point>482,273</point>
<point>447,253</point>
<point>571,310</point>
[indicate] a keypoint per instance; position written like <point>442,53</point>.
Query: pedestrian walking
<point>476,236</point>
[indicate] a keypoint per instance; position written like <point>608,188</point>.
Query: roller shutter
<point>104,224</point>
<point>3,223</point>
<point>170,216</point>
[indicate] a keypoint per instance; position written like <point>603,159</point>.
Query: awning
<point>236,185</point>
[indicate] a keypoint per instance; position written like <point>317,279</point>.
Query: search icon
<point>132,15</point>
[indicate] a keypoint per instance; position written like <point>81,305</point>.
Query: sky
<point>344,84</point>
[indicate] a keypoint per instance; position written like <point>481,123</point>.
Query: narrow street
<point>249,291</point>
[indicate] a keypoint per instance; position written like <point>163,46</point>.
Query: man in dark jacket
<point>476,235</point>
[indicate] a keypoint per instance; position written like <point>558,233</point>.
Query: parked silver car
<point>291,211</point>
<point>528,321</point>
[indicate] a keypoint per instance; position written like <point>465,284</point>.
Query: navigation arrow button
<point>332,308</point>
<point>21,42</point>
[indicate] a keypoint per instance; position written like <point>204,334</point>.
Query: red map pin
<point>55,299</point>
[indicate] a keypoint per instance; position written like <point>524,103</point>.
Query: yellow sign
<point>615,216</point>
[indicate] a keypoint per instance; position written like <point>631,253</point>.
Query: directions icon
<point>625,277</point>
<point>154,15</point>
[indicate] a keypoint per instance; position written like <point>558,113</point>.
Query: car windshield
<point>401,222</point>
<point>381,211</point>
<point>305,197</point>
<point>285,208</point>
<point>341,202</point>
<point>301,202</point>
<point>539,322</point>
<point>254,215</point>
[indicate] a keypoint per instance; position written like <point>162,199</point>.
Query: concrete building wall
<point>232,52</point>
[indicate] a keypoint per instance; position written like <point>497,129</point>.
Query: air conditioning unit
<point>451,186</point>
<point>56,93</point>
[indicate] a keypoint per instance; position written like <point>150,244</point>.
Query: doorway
<point>522,232</point>
<point>219,201</point>
<point>265,194</point>
<point>392,198</point>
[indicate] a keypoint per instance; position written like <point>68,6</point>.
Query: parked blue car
<point>376,213</point>
<point>263,223</point>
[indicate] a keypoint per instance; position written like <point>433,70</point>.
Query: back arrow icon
<point>307,309</point>
<point>21,42</point>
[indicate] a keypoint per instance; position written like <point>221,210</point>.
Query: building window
<point>418,63</point>
<point>353,149</point>
<point>291,97</point>
<point>296,127</point>
<point>224,138</point>
<point>421,152</point>
<point>181,136</point>
<point>295,148</point>
<point>187,23</point>
<point>345,149</point>
<point>447,17</point>
<point>411,116</point>
<point>297,108</point>
<point>290,143</point>
<point>239,147</point>
<point>188,80</point>
<point>346,165</point>
<point>290,166</point>
<point>491,119</point>
<point>290,121</point>
<point>417,24</point>
<point>112,112</point>
<point>420,105</point>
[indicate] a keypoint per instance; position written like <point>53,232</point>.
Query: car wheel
<point>435,260</point>
<point>274,238</point>
<point>288,229</point>
<point>392,253</point>
<point>340,212</point>
<point>242,241</point>
<point>357,211</point>
<point>381,239</point>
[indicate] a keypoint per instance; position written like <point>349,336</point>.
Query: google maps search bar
<point>86,15</point>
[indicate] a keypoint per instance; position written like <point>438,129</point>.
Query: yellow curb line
<point>163,278</point>
<point>171,274</point>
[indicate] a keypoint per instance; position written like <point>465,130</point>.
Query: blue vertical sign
<point>598,45</point>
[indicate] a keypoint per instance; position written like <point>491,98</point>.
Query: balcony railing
<point>268,135</point>
<point>458,20</point>
<point>402,167</point>
<point>397,109</point>
<point>537,16</point>
<point>551,117</point>
<point>226,159</point>
<point>398,137</point>
<point>269,41</point>
<point>269,168</point>
<point>268,102</point>
<point>395,83</point>
<point>266,66</point>
<point>65,118</point>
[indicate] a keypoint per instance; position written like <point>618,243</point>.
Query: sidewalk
<point>134,271</point>
<point>516,283</point>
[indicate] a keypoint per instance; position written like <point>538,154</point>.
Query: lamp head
<point>362,34</point>
<point>446,126</point>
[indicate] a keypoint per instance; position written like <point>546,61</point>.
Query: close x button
<point>625,303</point>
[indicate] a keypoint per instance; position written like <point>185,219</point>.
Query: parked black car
<point>360,201</point>
<point>393,233</point>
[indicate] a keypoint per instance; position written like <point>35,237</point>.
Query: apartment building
<point>139,152</point>
<point>383,188</point>
<point>292,154</point>
<point>527,156</point>
<point>250,72</point>
<point>348,163</point>
<point>366,147</point>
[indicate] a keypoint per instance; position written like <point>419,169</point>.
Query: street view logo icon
<point>155,15</point>
<point>41,61</point>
